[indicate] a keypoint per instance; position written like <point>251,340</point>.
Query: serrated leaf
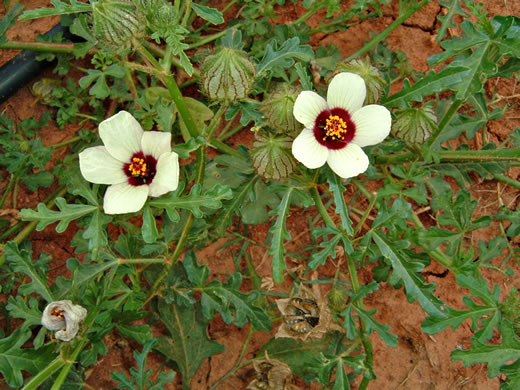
<point>212,15</point>
<point>407,271</point>
<point>96,233</point>
<point>193,202</point>
<point>14,360</point>
<point>285,56</point>
<point>31,314</point>
<point>188,344</point>
<point>371,324</point>
<point>452,8</point>
<point>140,333</point>
<point>279,234</point>
<point>432,83</point>
<point>60,8</point>
<point>67,214</point>
<point>494,355</point>
<point>21,262</point>
<point>328,246</point>
<point>184,150</point>
<point>8,20</point>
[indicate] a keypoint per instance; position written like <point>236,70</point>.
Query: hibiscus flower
<point>337,128</point>
<point>135,163</point>
<point>64,317</point>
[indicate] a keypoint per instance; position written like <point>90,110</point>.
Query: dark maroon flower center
<point>141,169</point>
<point>334,128</point>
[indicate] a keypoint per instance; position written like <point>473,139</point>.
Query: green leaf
<point>21,261</point>
<point>96,233</point>
<point>38,179</point>
<point>234,306</point>
<point>199,112</point>
<point>495,356</point>
<point>14,360</point>
<point>149,228</point>
<point>67,213</point>
<point>254,211</point>
<point>31,314</point>
<point>60,8</point>
<point>452,8</point>
<point>184,150</point>
<point>140,333</point>
<point>279,233</point>
<point>328,245</point>
<point>432,83</point>
<point>285,57</point>
<point>188,345</point>
<point>194,202</point>
<point>212,15</point>
<point>341,381</point>
<point>9,20</point>
<point>408,271</point>
<point>371,324</point>
<point>338,189</point>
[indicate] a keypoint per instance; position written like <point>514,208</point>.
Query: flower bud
<point>115,23</point>
<point>227,75</point>
<point>338,299</point>
<point>415,125</point>
<point>272,156</point>
<point>64,317</point>
<point>373,78</point>
<point>278,109</point>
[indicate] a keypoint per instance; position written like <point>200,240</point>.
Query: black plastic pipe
<point>16,73</point>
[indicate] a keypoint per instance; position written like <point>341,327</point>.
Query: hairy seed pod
<point>227,75</point>
<point>373,78</point>
<point>115,23</point>
<point>272,157</point>
<point>278,109</point>
<point>415,125</point>
<point>42,89</point>
<point>338,299</point>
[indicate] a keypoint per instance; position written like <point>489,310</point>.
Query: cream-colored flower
<point>134,162</point>
<point>64,317</point>
<point>271,374</point>
<point>337,128</point>
<point>304,316</point>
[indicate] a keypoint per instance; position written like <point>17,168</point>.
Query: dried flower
<point>304,316</point>
<point>64,317</point>
<point>337,128</point>
<point>271,374</point>
<point>136,164</point>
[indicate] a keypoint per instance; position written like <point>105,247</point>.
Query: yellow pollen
<point>335,128</point>
<point>137,167</point>
<point>57,313</point>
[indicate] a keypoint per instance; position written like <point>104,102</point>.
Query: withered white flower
<point>64,317</point>
<point>304,316</point>
<point>134,162</point>
<point>337,128</point>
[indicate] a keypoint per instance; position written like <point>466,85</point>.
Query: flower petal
<point>348,162</point>
<point>308,151</point>
<point>307,107</point>
<point>121,135</point>
<point>156,143</point>
<point>167,176</point>
<point>98,166</point>
<point>123,198</point>
<point>373,124</point>
<point>348,91</point>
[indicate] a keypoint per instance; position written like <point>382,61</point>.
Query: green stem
<point>60,48</point>
<point>236,366</point>
<point>7,191</point>
<point>142,261</point>
<point>507,180</point>
<point>365,215</point>
<point>382,35</point>
<point>70,361</point>
<point>225,135</point>
<point>210,38</point>
<point>65,143</point>
<point>455,156</point>
<point>215,121</point>
<point>224,148</point>
<point>308,14</point>
<point>39,378</point>
<point>187,13</point>
<point>445,120</point>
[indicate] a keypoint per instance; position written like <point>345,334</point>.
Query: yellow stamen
<point>335,127</point>
<point>57,313</point>
<point>137,167</point>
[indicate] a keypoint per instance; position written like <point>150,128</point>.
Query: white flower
<point>64,317</point>
<point>337,128</point>
<point>136,164</point>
